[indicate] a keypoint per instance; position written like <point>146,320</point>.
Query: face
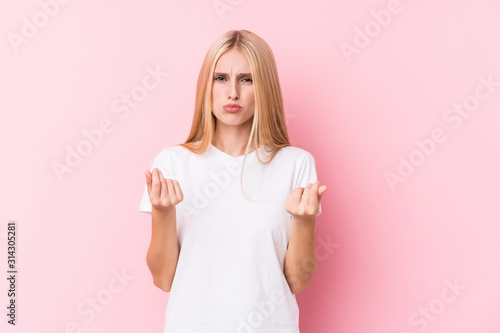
<point>233,84</point>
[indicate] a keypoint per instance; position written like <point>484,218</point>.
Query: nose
<point>234,91</point>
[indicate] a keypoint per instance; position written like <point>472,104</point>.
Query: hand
<point>303,203</point>
<point>164,194</point>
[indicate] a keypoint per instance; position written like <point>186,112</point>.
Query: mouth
<point>232,108</point>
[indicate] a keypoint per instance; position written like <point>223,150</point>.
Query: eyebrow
<point>239,75</point>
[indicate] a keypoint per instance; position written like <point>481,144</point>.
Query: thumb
<point>322,191</point>
<point>148,180</point>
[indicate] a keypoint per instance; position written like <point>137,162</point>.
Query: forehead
<point>232,61</point>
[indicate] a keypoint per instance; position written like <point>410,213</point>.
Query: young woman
<point>234,207</point>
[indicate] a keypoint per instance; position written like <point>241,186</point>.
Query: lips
<point>232,107</point>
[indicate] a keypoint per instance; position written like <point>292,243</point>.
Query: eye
<point>249,80</point>
<point>218,77</point>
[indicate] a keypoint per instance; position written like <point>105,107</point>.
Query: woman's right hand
<point>164,194</point>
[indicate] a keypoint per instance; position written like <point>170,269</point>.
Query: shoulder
<point>167,153</point>
<point>176,153</point>
<point>173,149</point>
<point>296,153</point>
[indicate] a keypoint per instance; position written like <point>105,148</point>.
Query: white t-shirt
<point>230,273</point>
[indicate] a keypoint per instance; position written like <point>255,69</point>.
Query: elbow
<point>299,280</point>
<point>300,286</point>
<point>163,284</point>
<point>160,279</point>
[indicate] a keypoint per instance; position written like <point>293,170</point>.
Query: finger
<point>322,191</point>
<point>306,196</point>
<point>313,194</point>
<point>164,193</point>
<point>156,186</point>
<point>310,192</point>
<point>148,180</point>
<point>171,190</point>
<point>294,198</point>
<point>178,190</point>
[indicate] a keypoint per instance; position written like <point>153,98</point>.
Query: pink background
<point>393,251</point>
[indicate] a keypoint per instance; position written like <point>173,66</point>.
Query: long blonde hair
<point>269,125</point>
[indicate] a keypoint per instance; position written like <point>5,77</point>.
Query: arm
<point>163,251</point>
<point>300,259</point>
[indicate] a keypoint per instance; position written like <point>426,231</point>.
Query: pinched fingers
<point>304,201</point>
<point>166,193</point>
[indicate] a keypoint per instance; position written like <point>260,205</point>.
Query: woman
<point>233,233</point>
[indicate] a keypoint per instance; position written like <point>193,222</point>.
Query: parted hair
<point>269,129</point>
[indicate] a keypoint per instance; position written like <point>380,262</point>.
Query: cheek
<point>216,90</point>
<point>250,94</point>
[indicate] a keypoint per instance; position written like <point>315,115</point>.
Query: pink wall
<point>376,90</point>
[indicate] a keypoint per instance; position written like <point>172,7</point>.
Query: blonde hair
<point>269,125</point>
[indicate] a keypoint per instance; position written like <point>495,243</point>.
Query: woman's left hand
<point>303,203</point>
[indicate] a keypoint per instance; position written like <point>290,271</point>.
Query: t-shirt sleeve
<point>306,174</point>
<point>162,162</point>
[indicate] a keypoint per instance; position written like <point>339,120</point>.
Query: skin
<point>163,252</point>
<point>300,260</point>
<point>231,85</point>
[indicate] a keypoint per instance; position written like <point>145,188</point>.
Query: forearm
<point>163,251</point>
<point>300,260</point>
